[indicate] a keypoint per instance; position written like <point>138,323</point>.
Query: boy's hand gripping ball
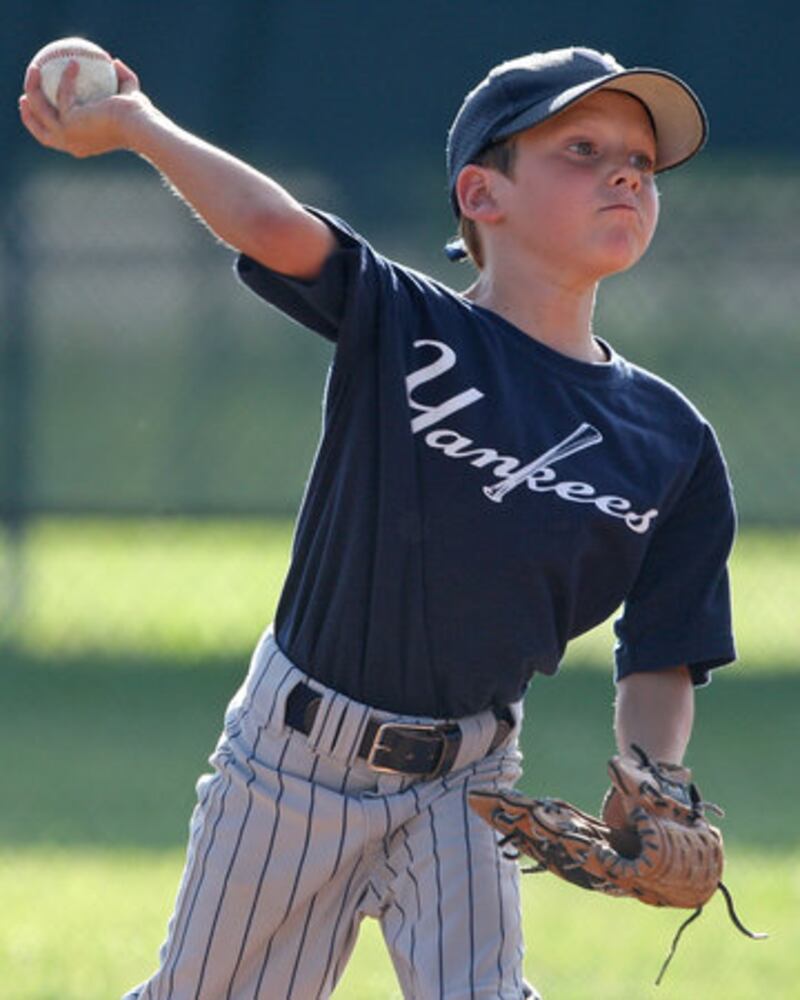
<point>97,75</point>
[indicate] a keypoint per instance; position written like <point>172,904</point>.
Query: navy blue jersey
<point>478,499</point>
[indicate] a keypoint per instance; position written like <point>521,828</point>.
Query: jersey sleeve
<point>679,609</point>
<point>339,303</point>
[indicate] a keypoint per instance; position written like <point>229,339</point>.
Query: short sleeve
<point>679,609</point>
<point>336,301</point>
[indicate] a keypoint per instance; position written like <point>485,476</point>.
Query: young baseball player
<point>492,480</point>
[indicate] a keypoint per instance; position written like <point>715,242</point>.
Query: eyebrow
<point>576,116</point>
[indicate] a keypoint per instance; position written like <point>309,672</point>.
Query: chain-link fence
<point>138,378</point>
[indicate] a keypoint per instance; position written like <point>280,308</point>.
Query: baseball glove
<point>654,843</point>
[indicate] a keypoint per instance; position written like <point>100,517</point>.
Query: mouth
<point>620,207</point>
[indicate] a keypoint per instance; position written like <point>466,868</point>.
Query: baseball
<point>97,76</point>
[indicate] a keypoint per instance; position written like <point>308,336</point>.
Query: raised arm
<point>241,206</point>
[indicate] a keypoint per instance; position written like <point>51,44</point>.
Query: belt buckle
<point>379,745</point>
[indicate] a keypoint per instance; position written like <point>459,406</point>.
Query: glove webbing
<point>516,837</point>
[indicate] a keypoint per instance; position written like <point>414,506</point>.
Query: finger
<point>613,809</point>
<point>65,95</point>
<point>33,78</point>
<point>128,80</point>
<point>37,128</point>
<point>35,99</point>
<point>34,93</point>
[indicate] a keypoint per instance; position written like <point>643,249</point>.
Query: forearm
<point>243,207</point>
<point>655,710</point>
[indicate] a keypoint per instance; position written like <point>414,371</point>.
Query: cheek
<point>562,209</point>
<point>651,207</point>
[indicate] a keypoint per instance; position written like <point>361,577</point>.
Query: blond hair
<point>500,156</point>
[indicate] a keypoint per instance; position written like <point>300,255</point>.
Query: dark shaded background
<point>361,83</point>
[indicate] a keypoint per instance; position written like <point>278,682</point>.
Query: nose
<point>625,174</point>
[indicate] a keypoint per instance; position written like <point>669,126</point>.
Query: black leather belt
<point>397,747</point>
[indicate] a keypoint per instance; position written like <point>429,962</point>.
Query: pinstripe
<point>343,834</point>
<point>437,866</point>
<point>415,883</point>
<point>501,912</point>
<point>388,830</point>
<point>397,905</point>
<point>340,851</point>
<point>200,877</point>
<point>501,909</point>
<point>231,863</point>
<point>470,887</point>
<point>411,874</point>
<point>297,875</point>
<point>327,715</point>
<point>418,808</point>
<point>247,704</point>
<point>302,944</point>
<point>278,688</point>
<point>250,759</point>
<point>337,925</point>
<point>409,871</point>
<point>444,962</point>
<point>304,852</point>
<point>359,735</point>
<point>314,900</point>
<point>334,870</point>
<point>264,867</point>
<point>339,724</point>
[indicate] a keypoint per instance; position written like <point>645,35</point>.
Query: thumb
<point>613,811</point>
<point>128,80</point>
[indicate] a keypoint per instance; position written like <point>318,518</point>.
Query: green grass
<point>180,588</point>
<point>134,635</point>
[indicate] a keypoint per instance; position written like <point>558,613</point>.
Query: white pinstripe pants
<point>294,840</point>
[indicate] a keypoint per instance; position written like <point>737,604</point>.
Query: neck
<point>543,306</point>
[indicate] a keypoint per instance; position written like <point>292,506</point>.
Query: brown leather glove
<point>654,843</point>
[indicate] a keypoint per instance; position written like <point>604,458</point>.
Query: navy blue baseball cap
<point>526,91</point>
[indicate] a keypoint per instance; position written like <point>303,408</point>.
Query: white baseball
<point>97,76</point>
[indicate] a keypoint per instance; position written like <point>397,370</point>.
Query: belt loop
<point>353,739</point>
<point>328,724</point>
<point>478,732</point>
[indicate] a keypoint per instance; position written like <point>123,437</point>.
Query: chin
<point>621,266</point>
<point>620,259</point>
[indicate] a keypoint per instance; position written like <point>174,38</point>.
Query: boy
<point>492,480</point>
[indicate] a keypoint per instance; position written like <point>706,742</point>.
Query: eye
<point>643,162</point>
<point>583,147</point>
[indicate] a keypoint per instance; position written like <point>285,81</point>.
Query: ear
<point>476,194</point>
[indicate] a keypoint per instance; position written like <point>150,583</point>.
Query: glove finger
<point>663,790</point>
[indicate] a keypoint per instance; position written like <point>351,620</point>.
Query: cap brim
<point>678,117</point>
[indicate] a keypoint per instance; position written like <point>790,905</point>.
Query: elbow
<point>289,240</point>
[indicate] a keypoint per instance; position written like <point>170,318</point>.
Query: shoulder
<point>400,276</point>
<point>678,429</point>
<point>661,398</point>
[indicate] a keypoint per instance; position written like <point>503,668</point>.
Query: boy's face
<point>582,196</point>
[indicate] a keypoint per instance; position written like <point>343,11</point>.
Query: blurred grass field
<point>132,636</point>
